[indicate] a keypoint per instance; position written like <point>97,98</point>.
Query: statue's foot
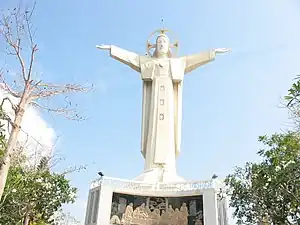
<point>159,175</point>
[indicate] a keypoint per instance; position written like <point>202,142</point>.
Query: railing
<point>118,183</point>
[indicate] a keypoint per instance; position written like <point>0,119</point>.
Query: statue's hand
<point>104,47</point>
<point>222,50</point>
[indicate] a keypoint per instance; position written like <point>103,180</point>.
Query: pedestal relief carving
<point>142,215</point>
<point>156,210</point>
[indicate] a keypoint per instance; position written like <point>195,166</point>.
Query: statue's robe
<point>162,102</point>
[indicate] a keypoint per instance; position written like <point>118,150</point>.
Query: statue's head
<point>184,204</point>
<point>162,47</point>
<point>143,205</point>
<point>131,204</point>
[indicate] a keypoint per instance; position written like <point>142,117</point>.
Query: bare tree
<point>17,33</point>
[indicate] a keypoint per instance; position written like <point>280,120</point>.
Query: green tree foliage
<point>269,190</point>
<point>34,194</point>
<point>293,96</point>
<point>292,101</point>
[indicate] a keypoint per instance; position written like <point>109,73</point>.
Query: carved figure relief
<point>176,217</point>
<point>143,215</point>
<point>164,219</point>
<point>184,214</point>
<point>198,222</point>
<point>155,217</point>
<point>128,215</point>
<point>157,203</point>
<point>115,220</point>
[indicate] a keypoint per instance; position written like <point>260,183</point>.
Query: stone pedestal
<point>99,205</point>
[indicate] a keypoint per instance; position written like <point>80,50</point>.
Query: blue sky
<point>227,104</point>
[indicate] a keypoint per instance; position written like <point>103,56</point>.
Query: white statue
<point>162,78</point>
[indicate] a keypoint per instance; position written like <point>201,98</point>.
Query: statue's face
<point>143,205</point>
<point>162,45</point>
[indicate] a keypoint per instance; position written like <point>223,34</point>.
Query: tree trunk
<point>11,143</point>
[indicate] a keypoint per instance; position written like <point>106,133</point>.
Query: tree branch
<point>28,15</point>
<point>33,50</point>
<point>14,107</point>
<point>50,90</point>
<point>66,112</point>
<point>8,35</point>
<point>74,169</point>
<point>6,87</point>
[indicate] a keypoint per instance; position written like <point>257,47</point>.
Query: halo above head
<point>161,32</point>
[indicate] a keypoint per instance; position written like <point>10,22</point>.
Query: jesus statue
<point>162,77</point>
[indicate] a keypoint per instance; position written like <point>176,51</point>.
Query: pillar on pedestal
<point>99,205</point>
<point>210,207</point>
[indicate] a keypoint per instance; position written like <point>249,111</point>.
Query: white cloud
<point>36,135</point>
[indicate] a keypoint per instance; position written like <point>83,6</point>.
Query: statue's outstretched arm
<point>197,60</point>
<point>129,58</point>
